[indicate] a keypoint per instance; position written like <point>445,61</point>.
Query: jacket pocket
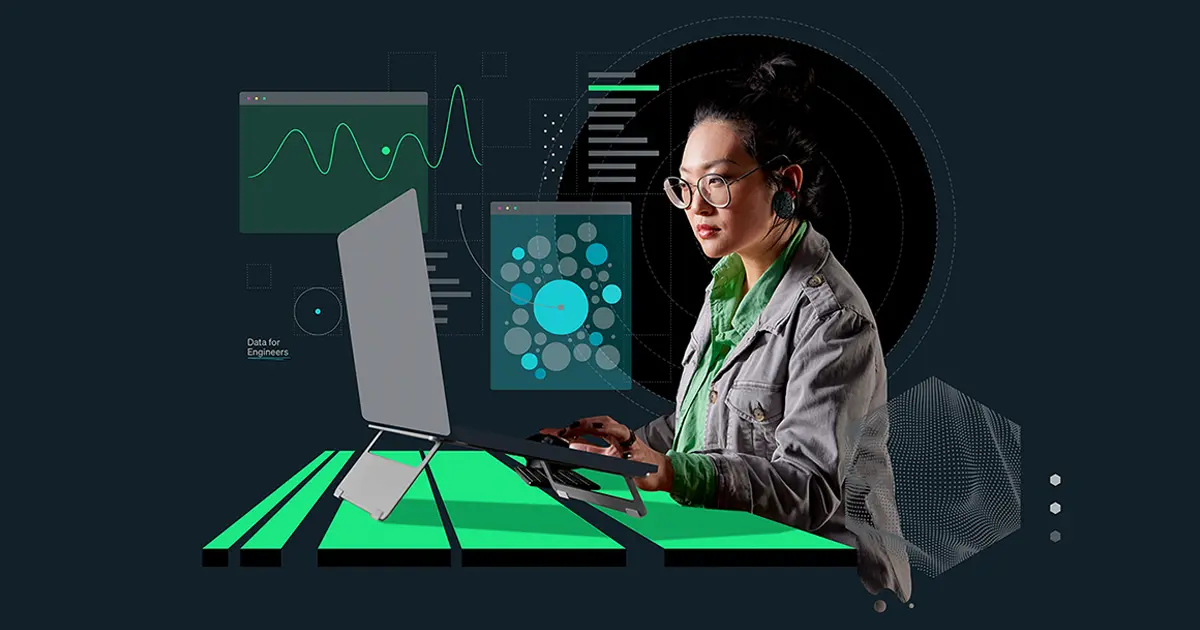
<point>756,410</point>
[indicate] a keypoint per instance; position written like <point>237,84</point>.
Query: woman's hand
<point>621,443</point>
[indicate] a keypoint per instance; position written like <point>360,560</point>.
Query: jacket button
<point>758,414</point>
<point>816,281</point>
<point>712,396</point>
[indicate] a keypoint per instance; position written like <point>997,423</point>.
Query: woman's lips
<point>707,231</point>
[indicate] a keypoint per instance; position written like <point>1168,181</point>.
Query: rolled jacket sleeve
<point>832,372</point>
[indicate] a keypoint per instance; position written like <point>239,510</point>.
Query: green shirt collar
<point>732,314</point>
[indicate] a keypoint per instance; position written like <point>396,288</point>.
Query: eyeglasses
<point>713,188</point>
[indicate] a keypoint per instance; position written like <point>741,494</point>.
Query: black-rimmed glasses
<point>713,188</point>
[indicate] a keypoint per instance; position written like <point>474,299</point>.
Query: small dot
<point>560,115</point>
<point>317,311</point>
<point>540,373</point>
<point>385,150</point>
<point>518,253</point>
<point>880,605</point>
<point>543,115</point>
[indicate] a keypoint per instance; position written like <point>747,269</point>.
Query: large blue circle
<point>597,253</point>
<point>561,307</point>
<point>521,294</point>
<point>612,294</point>
<point>529,360</point>
<point>518,253</point>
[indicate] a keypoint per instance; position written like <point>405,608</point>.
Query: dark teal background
<point>137,430</point>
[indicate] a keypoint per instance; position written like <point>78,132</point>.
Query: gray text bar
<point>612,167</point>
<point>622,153</point>
<point>429,255</point>
<point>441,320</point>
<point>613,180</point>
<point>443,281</point>
<point>450,294</point>
<point>441,307</point>
<point>612,101</point>
<point>610,114</point>
<point>611,75</point>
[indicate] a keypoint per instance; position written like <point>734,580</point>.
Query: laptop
<point>389,312</point>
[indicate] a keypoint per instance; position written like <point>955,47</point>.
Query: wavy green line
<point>333,147</point>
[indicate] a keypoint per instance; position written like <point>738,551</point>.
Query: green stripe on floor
<point>415,523</point>
<point>673,526</point>
<point>493,508</point>
<point>280,528</point>
<point>234,532</point>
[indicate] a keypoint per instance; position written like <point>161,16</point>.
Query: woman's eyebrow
<point>707,166</point>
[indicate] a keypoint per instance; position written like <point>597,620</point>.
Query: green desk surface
<point>265,547</point>
<point>216,553</point>
<point>694,536</point>
<point>502,521</point>
<point>413,535</point>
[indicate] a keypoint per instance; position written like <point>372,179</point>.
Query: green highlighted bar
<point>622,88</point>
<point>413,535</point>
<point>502,521</point>
<point>265,546</point>
<point>216,553</point>
<point>693,536</point>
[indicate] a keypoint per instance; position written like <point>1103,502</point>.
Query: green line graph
<point>394,151</point>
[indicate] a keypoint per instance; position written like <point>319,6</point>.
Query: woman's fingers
<point>591,448</point>
<point>600,426</point>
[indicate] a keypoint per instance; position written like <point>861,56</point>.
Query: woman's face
<point>714,147</point>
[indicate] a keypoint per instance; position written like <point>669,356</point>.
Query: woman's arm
<point>659,434</point>
<point>832,376</point>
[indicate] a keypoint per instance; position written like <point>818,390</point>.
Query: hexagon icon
<point>1055,536</point>
<point>1055,480</point>
<point>1055,508</point>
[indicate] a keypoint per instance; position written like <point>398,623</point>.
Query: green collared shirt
<point>695,478</point>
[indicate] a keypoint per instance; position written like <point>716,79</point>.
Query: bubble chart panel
<point>560,302</point>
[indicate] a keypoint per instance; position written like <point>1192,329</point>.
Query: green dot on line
<point>386,150</point>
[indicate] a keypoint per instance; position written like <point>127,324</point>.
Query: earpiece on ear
<point>784,204</point>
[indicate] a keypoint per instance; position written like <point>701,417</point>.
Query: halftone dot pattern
<point>931,479</point>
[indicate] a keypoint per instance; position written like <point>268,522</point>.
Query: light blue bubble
<point>521,294</point>
<point>612,294</point>
<point>317,311</point>
<point>597,253</point>
<point>596,338</point>
<point>518,253</point>
<point>540,373</point>
<point>529,360</point>
<point>561,307</point>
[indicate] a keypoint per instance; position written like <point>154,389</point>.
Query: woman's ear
<point>793,178</point>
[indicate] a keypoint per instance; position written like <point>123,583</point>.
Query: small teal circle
<point>612,294</point>
<point>529,360</point>
<point>518,253</point>
<point>521,294</point>
<point>596,338</point>
<point>317,311</point>
<point>597,253</point>
<point>540,373</point>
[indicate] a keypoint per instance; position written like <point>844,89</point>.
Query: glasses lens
<point>715,190</point>
<point>678,192</point>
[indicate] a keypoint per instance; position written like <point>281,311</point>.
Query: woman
<point>785,356</point>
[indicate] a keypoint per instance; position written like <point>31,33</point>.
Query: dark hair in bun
<point>770,109</point>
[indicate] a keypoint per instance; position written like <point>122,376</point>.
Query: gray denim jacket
<point>789,399</point>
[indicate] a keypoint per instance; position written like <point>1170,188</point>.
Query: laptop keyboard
<point>535,477</point>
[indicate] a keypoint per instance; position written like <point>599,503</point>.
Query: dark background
<point>138,431</point>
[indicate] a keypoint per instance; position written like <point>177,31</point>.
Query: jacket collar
<point>809,259</point>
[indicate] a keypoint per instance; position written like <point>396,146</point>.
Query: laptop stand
<point>376,484</point>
